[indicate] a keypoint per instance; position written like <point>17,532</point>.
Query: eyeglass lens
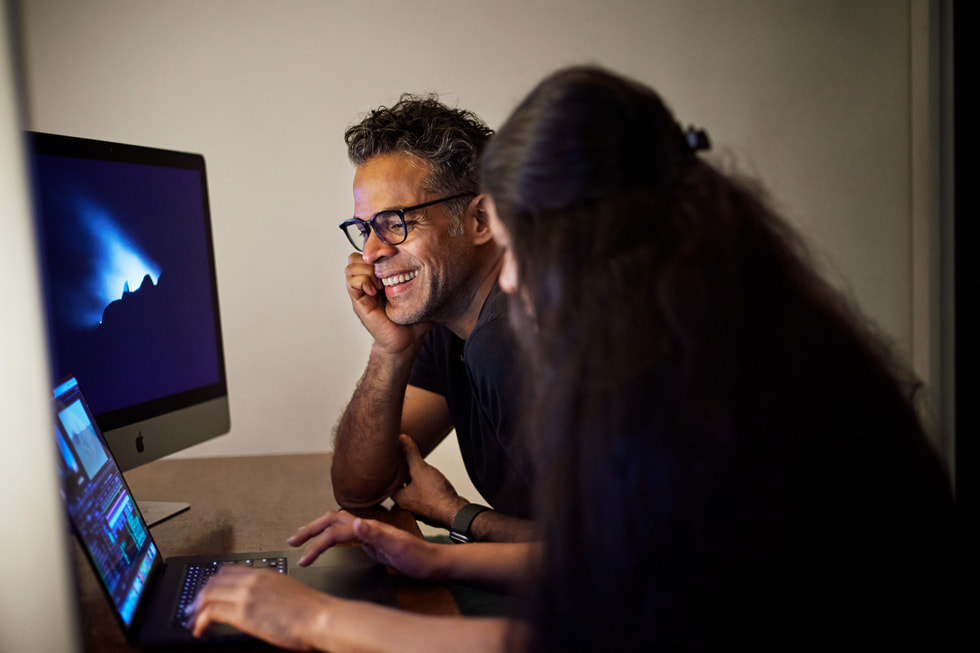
<point>388,225</point>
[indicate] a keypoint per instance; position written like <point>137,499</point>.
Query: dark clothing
<point>479,378</point>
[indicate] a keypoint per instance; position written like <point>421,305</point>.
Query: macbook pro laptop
<point>146,591</point>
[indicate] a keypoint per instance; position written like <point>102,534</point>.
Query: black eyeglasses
<point>389,225</point>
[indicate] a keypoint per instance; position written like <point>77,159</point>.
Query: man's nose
<point>375,249</point>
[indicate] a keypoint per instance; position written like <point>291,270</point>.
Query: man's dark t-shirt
<point>480,379</point>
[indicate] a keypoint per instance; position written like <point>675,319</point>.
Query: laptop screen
<point>100,506</point>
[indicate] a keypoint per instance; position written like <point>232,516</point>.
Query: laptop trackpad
<point>348,572</point>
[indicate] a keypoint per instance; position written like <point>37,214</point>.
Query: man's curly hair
<point>449,140</point>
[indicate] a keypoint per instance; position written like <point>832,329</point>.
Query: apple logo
<point>139,442</point>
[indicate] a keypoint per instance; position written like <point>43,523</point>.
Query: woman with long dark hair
<point>726,454</point>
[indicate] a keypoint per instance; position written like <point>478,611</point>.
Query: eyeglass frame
<point>401,217</point>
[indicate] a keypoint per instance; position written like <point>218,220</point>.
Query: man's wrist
<point>460,530</point>
<point>398,359</point>
<point>450,512</point>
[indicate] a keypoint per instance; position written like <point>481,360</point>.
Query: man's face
<point>423,277</point>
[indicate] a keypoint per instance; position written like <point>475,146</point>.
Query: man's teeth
<point>396,279</point>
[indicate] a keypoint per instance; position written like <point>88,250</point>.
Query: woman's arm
<point>498,565</point>
<point>284,612</point>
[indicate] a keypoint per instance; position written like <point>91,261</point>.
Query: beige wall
<point>815,98</point>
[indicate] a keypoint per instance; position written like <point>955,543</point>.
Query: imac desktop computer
<point>128,270</point>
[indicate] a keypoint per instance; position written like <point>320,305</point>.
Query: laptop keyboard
<point>196,577</point>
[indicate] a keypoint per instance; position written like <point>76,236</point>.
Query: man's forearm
<point>492,526</point>
<point>367,462</point>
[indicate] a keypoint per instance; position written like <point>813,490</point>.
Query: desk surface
<point>237,504</point>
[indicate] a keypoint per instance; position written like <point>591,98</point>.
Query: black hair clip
<point>697,139</point>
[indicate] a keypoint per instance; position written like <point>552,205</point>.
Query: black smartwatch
<point>460,532</point>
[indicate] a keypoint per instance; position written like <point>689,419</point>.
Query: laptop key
<point>197,576</point>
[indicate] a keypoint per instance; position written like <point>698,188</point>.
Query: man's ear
<point>481,221</point>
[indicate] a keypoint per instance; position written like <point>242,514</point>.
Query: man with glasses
<point>423,283</point>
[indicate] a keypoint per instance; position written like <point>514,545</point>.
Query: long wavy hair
<point>725,452</point>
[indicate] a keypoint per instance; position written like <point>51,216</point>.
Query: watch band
<point>460,531</point>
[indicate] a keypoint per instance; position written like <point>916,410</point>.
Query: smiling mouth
<point>396,279</point>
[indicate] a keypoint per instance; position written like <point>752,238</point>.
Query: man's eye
<point>396,229</point>
<point>408,226</point>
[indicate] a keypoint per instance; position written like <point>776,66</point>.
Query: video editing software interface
<point>100,507</point>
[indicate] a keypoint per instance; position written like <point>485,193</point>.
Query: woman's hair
<point>709,411</point>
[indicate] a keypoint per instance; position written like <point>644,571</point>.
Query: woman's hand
<point>263,603</point>
<point>386,544</point>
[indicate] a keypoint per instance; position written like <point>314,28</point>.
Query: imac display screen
<point>129,277</point>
